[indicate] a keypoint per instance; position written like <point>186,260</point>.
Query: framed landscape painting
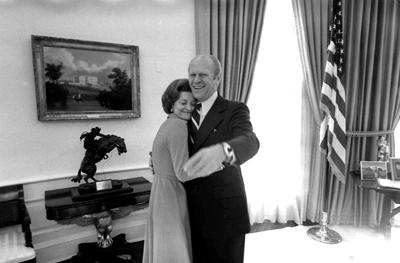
<point>77,79</point>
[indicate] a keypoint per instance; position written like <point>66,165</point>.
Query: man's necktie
<point>194,127</point>
<point>196,116</point>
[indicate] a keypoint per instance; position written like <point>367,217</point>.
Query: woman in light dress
<point>167,237</point>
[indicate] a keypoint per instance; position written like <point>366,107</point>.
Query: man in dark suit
<point>220,141</point>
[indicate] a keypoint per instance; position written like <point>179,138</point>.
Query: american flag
<point>333,99</point>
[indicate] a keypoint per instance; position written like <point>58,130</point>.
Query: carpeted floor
<point>120,252</point>
<point>138,246</point>
<point>292,244</point>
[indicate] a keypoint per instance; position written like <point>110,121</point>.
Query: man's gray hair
<point>214,60</point>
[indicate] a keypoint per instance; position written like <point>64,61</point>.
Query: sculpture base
<point>324,234</point>
<point>89,191</point>
<point>120,251</point>
<point>89,188</point>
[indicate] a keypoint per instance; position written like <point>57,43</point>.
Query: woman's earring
<point>171,110</point>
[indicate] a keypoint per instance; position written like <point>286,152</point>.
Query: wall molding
<point>34,191</point>
<point>40,179</point>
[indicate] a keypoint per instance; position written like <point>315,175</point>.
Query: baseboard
<point>268,225</point>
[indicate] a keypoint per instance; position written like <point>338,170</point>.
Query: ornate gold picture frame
<point>79,80</point>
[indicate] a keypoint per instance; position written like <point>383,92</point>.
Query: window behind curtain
<point>273,177</point>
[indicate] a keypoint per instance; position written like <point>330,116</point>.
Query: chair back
<point>15,244</point>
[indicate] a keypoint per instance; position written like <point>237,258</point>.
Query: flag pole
<point>334,124</point>
<point>322,233</point>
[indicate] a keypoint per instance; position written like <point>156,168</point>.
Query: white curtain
<point>275,184</point>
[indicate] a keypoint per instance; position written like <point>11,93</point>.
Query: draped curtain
<point>312,20</point>
<point>371,80</point>
<point>231,30</point>
<point>373,69</point>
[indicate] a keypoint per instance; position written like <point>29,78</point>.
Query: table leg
<point>385,225</point>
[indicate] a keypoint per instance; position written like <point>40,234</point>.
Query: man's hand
<point>205,162</point>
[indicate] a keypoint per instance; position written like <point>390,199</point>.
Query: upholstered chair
<point>15,233</point>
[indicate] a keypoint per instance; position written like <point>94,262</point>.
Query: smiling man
<point>221,139</point>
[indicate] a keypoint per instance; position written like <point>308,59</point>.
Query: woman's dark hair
<point>172,93</point>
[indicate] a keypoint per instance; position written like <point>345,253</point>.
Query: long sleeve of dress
<point>178,148</point>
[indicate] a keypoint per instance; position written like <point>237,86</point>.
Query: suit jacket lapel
<point>212,119</point>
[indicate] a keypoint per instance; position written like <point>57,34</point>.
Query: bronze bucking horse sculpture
<point>97,150</point>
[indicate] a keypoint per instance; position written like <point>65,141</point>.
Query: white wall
<point>45,155</point>
<point>31,150</point>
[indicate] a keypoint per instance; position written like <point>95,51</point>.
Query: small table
<point>63,207</point>
<point>389,195</point>
<point>60,206</point>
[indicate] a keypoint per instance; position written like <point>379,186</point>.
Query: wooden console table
<point>62,207</point>
<point>389,195</point>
